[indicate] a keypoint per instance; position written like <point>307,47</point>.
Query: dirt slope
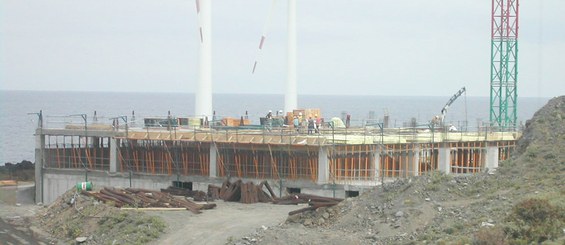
<point>499,208</point>
<point>74,215</point>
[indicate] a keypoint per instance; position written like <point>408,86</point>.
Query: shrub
<point>535,220</point>
<point>490,236</point>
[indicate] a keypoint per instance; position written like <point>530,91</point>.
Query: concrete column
<point>416,160</point>
<point>491,161</point>
<point>39,157</point>
<point>377,163</point>
<point>444,159</point>
<point>113,154</point>
<point>213,159</point>
<point>323,166</point>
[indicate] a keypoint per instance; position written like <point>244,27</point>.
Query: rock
<point>81,239</point>
<point>321,221</point>
<point>399,214</point>
<point>490,221</point>
<point>264,227</point>
<point>307,222</point>
<point>439,209</point>
<point>293,218</point>
<point>428,199</point>
<point>487,224</point>
<point>39,204</point>
<point>325,215</point>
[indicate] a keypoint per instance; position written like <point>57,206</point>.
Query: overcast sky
<point>372,47</point>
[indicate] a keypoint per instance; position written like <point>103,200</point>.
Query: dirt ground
<point>228,221</point>
<point>17,212</point>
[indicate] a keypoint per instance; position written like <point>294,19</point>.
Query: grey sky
<point>377,47</point>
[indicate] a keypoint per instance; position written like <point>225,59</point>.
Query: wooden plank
<point>155,209</point>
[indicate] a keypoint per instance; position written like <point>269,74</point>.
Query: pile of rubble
<point>74,215</point>
<point>141,198</point>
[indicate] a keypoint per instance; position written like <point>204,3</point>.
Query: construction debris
<point>314,202</point>
<point>141,198</point>
<point>213,192</point>
<point>198,196</point>
<point>251,193</point>
<point>242,192</point>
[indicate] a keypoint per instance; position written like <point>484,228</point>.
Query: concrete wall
<point>57,182</point>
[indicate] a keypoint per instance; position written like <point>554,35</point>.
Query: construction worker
<point>318,124</point>
<point>269,120</point>
<point>310,125</point>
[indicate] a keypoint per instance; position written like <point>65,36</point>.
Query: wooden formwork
<point>505,148</point>
<point>164,157</point>
<point>397,160</point>
<point>257,157</point>
<point>352,162</point>
<point>428,160</point>
<point>266,161</point>
<point>77,152</point>
<point>467,157</point>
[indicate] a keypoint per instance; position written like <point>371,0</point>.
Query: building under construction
<point>336,161</point>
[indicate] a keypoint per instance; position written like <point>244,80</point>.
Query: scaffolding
<point>356,156</point>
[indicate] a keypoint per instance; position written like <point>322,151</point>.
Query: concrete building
<point>337,162</point>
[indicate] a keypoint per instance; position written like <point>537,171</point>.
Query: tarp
<point>337,122</point>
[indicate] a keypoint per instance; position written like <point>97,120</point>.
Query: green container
<point>84,186</point>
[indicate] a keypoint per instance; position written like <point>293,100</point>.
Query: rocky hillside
<point>523,202</point>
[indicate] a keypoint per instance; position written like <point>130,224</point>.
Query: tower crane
<point>438,120</point>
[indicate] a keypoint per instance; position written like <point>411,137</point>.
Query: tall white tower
<point>290,97</point>
<point>203,98</point>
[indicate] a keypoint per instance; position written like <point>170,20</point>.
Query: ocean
<point>18,125</point>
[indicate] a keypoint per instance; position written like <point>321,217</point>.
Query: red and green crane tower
<point>504,64</point>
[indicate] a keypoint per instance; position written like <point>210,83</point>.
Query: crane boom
<point>452,99</point>
<point>439,119</point>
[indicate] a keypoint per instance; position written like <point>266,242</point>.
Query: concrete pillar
<point>114,154</point>
<point>323,166</point>
<point>444,159</point>
<point>491,161</point>
<point>39,157</point>
<point>415,168</point>
<point>377,162</point>
<point>213,159</point>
